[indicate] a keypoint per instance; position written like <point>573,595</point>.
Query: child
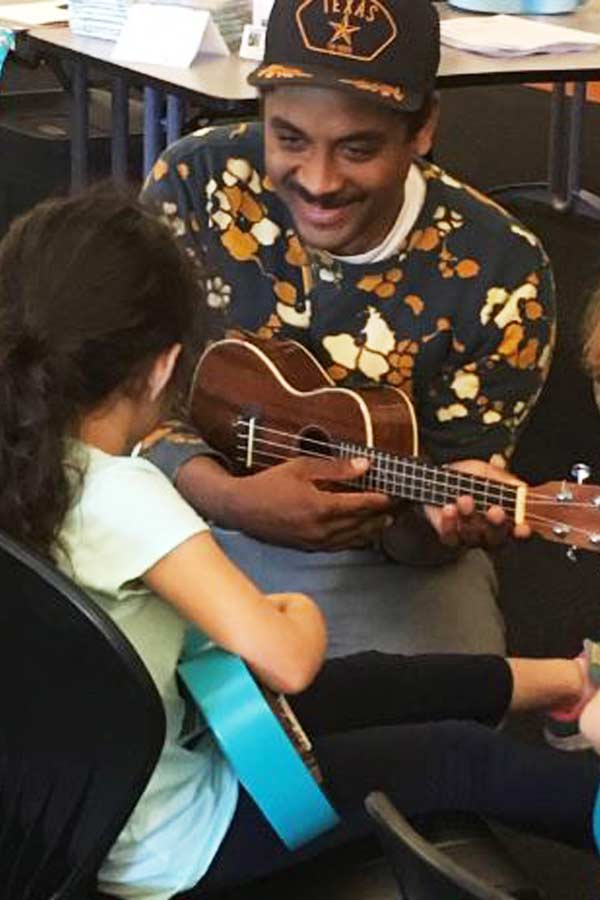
<point>589,719</point>
<point>97,307</point>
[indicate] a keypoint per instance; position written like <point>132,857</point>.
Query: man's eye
<point>291,141</point>
<point>358,152</point>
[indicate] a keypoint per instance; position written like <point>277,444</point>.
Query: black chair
<point>460,859</point>
<point>81,728</point>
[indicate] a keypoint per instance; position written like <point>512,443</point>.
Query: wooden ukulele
<point>263,402</point>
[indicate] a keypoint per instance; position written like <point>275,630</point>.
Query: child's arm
<point>282,637</point>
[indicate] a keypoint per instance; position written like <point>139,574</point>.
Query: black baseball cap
<point>386,49</point>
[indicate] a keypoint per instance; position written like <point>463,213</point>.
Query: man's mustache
<point>325,201</point>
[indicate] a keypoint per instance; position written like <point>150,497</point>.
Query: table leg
<point>558,148</point>
<point>153,131</point>
<point>573,172</point>
<point>174,117</point>
<point>562,190</point>
<point>79,124</point>
<point>584,202</point>
<point>120,128</point>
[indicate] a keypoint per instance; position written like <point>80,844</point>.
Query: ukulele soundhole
<point>314,441</point>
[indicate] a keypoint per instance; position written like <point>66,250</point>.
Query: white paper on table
<point>252,45</point>
<point>168,35</point>
<point>261,10</point>
<point>513,36</point>
<point>47,12</point>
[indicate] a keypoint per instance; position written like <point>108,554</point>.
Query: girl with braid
<point>99,313</point>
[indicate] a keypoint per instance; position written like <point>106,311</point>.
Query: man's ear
<point>424,137</point>
<point>162,369</point>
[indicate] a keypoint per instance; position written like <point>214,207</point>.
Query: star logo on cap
<point>364,30</point>
<point>343,31</point>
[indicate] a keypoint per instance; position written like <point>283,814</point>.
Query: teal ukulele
<point>262,740</point>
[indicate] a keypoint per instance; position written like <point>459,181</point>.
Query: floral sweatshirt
<point>460,316</point>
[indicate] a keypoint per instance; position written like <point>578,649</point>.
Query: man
<point>323,223</point>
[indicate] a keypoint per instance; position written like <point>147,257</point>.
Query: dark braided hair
<point>92,288</point>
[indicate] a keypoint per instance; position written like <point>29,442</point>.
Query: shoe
<point>564,734</point>
<point>561,728</point>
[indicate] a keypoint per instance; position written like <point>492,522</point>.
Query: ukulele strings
<point>392,476</point>
<point>573,530</point>
<point>532,518</point>
<point>393,481</point>
<point>389,471</point>
<point>533,496</point>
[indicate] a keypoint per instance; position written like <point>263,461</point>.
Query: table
<point>219,84</point>
<point>562,190</point>
<point>216,83</point>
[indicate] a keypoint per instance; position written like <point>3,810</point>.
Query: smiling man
<point>340,165</point>
<point>325,223</point>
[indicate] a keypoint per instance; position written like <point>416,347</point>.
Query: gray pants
<point>373,604</point>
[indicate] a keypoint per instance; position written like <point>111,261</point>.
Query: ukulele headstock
<point>566,512</point>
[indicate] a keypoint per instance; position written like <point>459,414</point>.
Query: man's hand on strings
<point>459,524</point>
<point>290,504</point>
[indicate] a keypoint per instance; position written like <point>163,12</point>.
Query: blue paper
<point>518,7</point>
<point>7,43</point>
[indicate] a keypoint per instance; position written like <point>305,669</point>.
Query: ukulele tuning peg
<point>580,472</point>
<point>572,554</point>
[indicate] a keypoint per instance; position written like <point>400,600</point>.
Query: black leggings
<point>376,723</point>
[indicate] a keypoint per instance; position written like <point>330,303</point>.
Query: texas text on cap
<point>388,49</point>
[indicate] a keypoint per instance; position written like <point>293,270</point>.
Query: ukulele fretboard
<point>412,479</point>
<point>406,478</point>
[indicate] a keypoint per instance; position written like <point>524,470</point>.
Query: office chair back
<point>424,871</point>
<point>81,729</point>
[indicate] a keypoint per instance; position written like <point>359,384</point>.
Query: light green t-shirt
<point>126,517</point>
